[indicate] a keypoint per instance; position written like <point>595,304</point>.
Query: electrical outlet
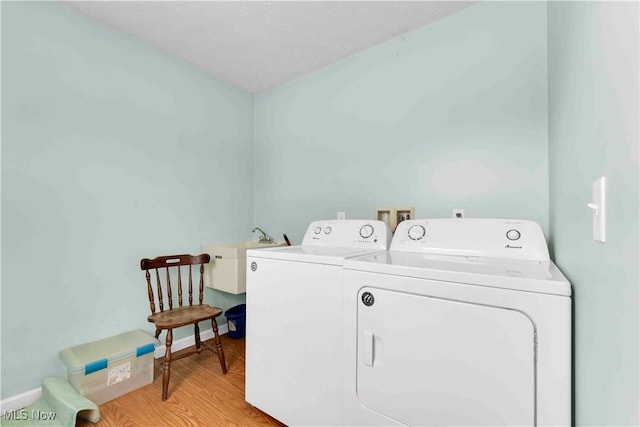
<point>458,213</point>
<point>342,215</point>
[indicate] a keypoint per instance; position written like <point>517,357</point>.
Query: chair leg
<point>158,333</point>
<point>216,337</point>
<point>196,335</point>
<point>167,365</point>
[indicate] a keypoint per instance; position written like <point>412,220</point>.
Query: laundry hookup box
<point>109,368</point>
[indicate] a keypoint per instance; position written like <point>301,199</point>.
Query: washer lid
<point>531,276</point>
<point>311,254</point>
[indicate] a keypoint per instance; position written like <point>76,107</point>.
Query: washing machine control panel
<point>472,237</point>
<point>348,233</point>
<point>416,232</point>
<point>513,234</point>
<point>366,231</point>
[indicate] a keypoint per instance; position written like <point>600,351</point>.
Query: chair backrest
<point>172,264</point>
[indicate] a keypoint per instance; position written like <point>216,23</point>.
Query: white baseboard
<point>27,398</point>
<point>189,341</point>
<point>19,401</point>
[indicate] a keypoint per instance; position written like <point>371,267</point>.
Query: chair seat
<point>182,316</point>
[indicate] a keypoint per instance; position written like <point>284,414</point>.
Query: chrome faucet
<point>265,238</point>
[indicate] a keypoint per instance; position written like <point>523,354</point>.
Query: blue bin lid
<point>238,310</point>
<point>94,356</point>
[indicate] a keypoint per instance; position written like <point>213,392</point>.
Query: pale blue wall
<point>110,152</point>
<point>451,115</point>
<point>593,131</point>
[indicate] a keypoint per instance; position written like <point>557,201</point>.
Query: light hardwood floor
<point>199,395</point>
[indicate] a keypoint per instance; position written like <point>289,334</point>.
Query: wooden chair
<point>183,314</point>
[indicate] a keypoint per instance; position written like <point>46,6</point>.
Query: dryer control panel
<point>348,233</point>
<point>473,237</point>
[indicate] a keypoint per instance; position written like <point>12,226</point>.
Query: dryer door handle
<point>369,348</point>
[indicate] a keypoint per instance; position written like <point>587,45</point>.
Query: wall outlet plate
<point>458,213</point>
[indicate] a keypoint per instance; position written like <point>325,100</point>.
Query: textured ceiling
<point>256,45</point>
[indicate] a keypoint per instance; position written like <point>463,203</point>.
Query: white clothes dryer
<point>294,320</point>
<point>462,322</point>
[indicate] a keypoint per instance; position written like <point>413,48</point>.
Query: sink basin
<point>250,244</point>
<point>226,271</point>
<point>237,250</point>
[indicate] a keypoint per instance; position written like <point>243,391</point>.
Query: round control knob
<point>513,234</point>
<point>366,231</point>
<point>416,232</point>
<point>327,230</point>
<point>317,230</point>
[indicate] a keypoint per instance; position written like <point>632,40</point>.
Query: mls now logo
<point>23,415</point>
<point>16,415</point>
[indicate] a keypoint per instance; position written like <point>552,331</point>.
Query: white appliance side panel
<point>551,315</point>
<point>293,342</point>
<point>431,361</point>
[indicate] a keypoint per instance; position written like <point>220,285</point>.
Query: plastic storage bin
<point>109,368</point>
<point>236,318</point>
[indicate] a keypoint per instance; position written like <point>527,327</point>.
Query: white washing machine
<point>462,322</point>
<point>294,320</point>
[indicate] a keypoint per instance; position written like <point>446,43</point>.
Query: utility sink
<point>238,250</point>
<point>227,269</point>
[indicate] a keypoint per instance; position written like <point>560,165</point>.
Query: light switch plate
<point>599,206</point>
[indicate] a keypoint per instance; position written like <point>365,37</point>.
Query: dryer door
<point>432,361</point>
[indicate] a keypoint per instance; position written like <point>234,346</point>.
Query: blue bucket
<point>236,318</point>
